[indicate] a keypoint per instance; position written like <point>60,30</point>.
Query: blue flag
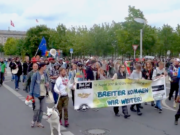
<point>43,46</point>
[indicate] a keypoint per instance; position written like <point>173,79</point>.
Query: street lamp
<point>143,21</point>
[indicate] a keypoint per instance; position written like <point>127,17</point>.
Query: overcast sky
<point>84,12</point>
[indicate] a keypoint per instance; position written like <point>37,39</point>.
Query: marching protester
<point>39,81</point>
<point>10,66</point>
<point>136,75</point>
<point>121,74</point>
<point>159,72</point>
<point>53,75</point>
<point>61,88</point>
<point>177,115</point>
<point>17,71</point>
<point>29,75</point>
<point>147,74</point>
<point>174,81</point>
<point>2,71</point>
<point>72,79</point>
<point>27,67</point>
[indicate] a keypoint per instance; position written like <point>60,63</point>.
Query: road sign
<point>135,47</point>
<point>71,50</point>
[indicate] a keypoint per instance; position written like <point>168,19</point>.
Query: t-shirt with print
<point>79,76</point>
<point>42,86</point>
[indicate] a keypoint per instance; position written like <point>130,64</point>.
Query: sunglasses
<point>122,67</point>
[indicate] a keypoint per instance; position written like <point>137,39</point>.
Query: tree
<point>1,48</point>
<point>33,38</point>
<point>10,46</point>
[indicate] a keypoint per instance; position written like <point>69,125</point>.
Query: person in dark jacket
<point>10,66</point>
<point>17,65</point>
<point>121,74</point>
<point>173,72</point>
<point>27,67</point>
<point>89,71</point>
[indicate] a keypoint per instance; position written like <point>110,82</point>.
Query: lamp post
<point>143,21</point>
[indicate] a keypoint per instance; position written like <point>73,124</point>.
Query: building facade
<point>5,34</point>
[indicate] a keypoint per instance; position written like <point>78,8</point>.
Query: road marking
<point>164,104</point>
<point>30,106</point>
<point>67,133</point>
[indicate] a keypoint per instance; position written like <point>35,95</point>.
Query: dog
<point>53,119</point>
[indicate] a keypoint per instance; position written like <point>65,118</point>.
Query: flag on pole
<point>12,24</point>
<point>37,20</point>
<point>127,64</point>
<point>43,46</point>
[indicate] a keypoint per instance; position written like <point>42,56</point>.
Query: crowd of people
<point>42,75</point>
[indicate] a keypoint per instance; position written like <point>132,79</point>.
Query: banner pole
<point>36,52</point>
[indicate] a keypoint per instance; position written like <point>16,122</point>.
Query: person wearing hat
<point>173,72</point>
<point>53,75</point>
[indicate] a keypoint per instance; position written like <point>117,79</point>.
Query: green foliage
<point>1,48</point>
<point>104,39</point>
<point>10,46</point>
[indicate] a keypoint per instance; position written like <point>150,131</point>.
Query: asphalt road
<point>15,118</point>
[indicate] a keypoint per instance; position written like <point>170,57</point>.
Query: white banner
<point>159,88</point>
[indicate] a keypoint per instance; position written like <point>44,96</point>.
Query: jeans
<point>39,108</point>
<point>158,104</point>
<point>55,95</point>
<point>13,77</point>
<point>17,77</point>
<point>24,78</point>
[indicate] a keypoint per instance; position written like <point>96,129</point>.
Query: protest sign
<point>121,92</point>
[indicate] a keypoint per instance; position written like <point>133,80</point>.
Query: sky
<point>24,13</point>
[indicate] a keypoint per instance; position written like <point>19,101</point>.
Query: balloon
<point>53,52</point>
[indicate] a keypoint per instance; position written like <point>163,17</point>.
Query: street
<point>16,117</point>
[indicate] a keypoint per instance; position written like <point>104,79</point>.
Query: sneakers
<point>32,124</point>
<point>66,124</point>
<point>160,110</point>
<point>117,115</point>
<point>176,122</point>
<point>174,104</point>
<point>155,107</point>
<point>60,122</point>
<point>40,125</point>
<point>139,113</point>
<point>127,116</point>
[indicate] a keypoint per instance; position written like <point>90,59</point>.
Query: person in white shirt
<point>159,72</point>
<point>61,87</point>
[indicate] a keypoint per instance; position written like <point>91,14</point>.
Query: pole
<point>141,44</point>
<point>71,56</point>
<point>36,52</point>
<point>134,54</point>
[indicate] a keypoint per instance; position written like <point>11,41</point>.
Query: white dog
<point>53,119</point>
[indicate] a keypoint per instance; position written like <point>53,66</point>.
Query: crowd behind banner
<point>41,76</point>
